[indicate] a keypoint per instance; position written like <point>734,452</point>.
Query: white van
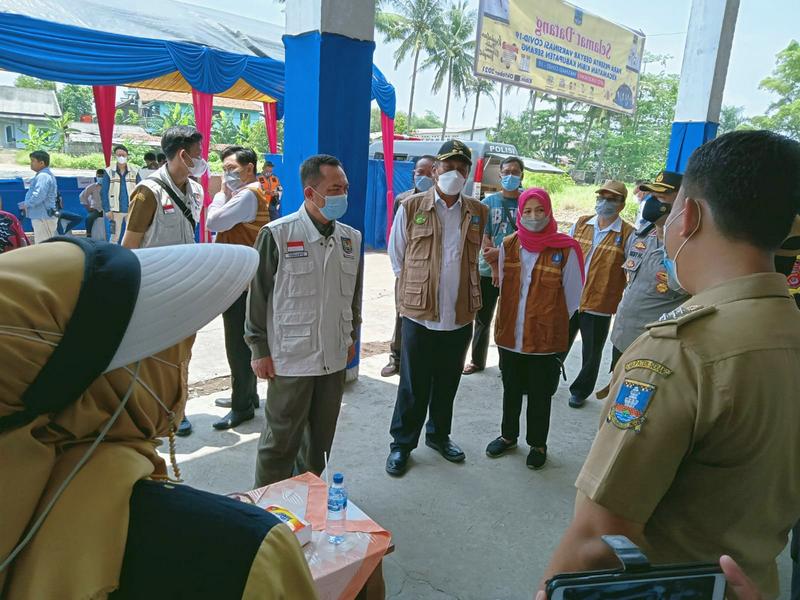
<point>484,178</point>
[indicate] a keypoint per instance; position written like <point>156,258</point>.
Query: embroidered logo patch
<point>558,257</point>
<point>650,365</point>
<point>347,246</point>
<point>476,219</point>
<point>420,218</point>
<point>631,404</point>
<point>168,209</point>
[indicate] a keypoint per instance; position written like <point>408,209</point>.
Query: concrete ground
<point>480,530</point>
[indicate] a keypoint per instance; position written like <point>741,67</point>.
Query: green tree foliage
<point>223,129</point>
<point>176,115</point>
<point>783,115</point>
<point>39,139</point>
<point>477,87</point>
<point>414,24</point>
<point>731,118</point>
<point>76,99</point>
<point>61,128</point>
<point>427,121</point>
<point>126,117</point>
<point>34,83</point>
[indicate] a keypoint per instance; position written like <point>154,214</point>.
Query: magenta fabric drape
<point>203,108</point>
<point>271,120</point>
<point>387,135</point>
<point>105,102</point>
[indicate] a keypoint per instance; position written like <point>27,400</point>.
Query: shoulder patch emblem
<point>650,365</point>
<point>640,245</point>
<point>679,312</point>
<point>420,218</point>
<point>633,399</point>
<point>558,257</point>
<point>347,246</point>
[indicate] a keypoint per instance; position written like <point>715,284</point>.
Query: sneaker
<point>536,458</point>
<point>498,447</point>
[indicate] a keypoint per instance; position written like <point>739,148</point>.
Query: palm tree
<point>505,90</point>
<point>413,26</point>
<point>62,127</point>
<point>479,87</point>
<point>452,56</point>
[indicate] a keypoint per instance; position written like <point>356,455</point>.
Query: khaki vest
<point>605,281</point>
<point>310,316</point>
<point>116,182</point>
<point>546,328</point>
<point>245,234</point>
<point>422,265</point>
<point>170,226</point>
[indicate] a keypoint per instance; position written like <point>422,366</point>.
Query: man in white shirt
<point>91,199</point>
<point>434,246</point>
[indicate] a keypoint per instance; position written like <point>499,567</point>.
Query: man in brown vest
<point>237,214</point>
<point>434,246</point>
<point>605,239</point>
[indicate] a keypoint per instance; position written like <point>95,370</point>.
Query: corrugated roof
<point>146,96</point>
<point>22,102</point>
<point>90,133</point>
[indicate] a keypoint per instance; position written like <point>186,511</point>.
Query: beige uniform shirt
<point>699,439</point>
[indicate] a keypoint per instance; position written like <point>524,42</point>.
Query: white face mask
<point>451,182</point>
<point>233,180</point>
<point>122,160</point>
<point>198,168</point>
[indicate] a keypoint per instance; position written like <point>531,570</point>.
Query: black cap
<point>667,181</point>
<point>455,149</point>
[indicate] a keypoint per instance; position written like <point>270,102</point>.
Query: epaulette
<point>668,324</point>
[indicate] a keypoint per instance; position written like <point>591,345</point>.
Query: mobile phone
<point>675,582</point>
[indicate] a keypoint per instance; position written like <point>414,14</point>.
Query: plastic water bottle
<point>337,510</point>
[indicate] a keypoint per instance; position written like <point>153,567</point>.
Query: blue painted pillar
<point>705,67</point>
<point>329,46</point>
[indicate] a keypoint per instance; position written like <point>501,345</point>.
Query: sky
<point>763,28</point>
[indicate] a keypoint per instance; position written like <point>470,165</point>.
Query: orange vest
<point>269,185</point>
<point>546,328</point>
<point>605,281</point>
<point>245,234</point>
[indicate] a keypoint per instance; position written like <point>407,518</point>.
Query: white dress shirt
<point>226,214</point>
<point>450,275</point>
<point>571,280</point>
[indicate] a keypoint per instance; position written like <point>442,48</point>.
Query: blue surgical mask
<point>671,264</point>
<point>510,183</point>
<point>605,208</point>
<point>423,183</point>
<point>98,179</point>
<point>335,206</point>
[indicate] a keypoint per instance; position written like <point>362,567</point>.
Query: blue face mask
<point>605,208</point>
<point>335,206</point>
<point>423,183</point>
<point>510,183</point>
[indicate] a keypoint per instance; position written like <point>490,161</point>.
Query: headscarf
<point>87,527</point>
<point>549,237</point>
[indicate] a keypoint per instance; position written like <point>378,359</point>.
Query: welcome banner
<point>555,47</point>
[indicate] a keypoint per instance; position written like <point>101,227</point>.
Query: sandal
<point>472,368</point>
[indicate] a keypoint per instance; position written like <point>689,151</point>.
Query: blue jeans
<point>72,220</point>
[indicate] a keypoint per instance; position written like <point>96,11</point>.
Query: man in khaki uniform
<point>698,453</point>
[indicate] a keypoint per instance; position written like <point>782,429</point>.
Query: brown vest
<point>605,281</point>
<point>422,265</point>
<point>546,328</point>
<point>245,234</point>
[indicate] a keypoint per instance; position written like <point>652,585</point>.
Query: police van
<point>484,178</point>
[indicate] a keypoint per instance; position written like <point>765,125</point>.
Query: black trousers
<point>615,356</point>
<point>243,381</point>
<point>795,551</point>
<point>430,371</point>
<point>536,376</point>
<point>91,216</point>
<point>483,322</point>
<point>594,332</point>
<point>397,335</point>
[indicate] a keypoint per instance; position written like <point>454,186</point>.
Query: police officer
<point>647,293</point>
<point>303,312</point>
<point>434,246</point>
<point>703,410</point>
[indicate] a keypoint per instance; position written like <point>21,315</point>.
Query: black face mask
<point>653,208</point>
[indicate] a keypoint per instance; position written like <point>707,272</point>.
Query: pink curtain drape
<point>105,102</point>
<point>271,120</point>
<point>387,135</point>
<point>203,107</point>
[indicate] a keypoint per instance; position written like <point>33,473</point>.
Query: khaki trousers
<point>294,405</point>
<point>119,219</point>
<point>44,229</point>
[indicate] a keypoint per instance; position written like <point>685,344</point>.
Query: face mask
<point>654,209</point>
<point>605,208</point>
<point>423,183</point>
<point>121,160</point>
<point>335,206</point>
<point>533,224</point>
<point>510,183</point>
<point>451,183</point>
<point>233,180</point>
<point>671,264</point>
<point>98,179</point>
<point>199,167</point>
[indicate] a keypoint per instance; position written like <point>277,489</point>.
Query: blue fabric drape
<point>88,57</point>
<point>375,210</point>
<point>383,93</point>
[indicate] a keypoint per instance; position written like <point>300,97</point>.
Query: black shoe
<point>397,462</point>
<point>448,449</point>
<point>185,428</point>
<point>233,418</point>
<point>576,401</point>
<point>498,447</point>
<point>228,402</point>
<point>536,458</point>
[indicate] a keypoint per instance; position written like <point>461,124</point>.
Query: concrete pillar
<point>329,46</point>
<point>705,67</point>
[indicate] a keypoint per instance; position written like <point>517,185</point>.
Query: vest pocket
<point>348,277</point>
<point>347,327</point>
<point>419,246</point>
<point>295,331</point>
<point>414,295</point>
<point>300,281</point>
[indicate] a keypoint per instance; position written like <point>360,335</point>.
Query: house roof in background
<point>89,133</point>
<point>146,96</point>
<point>28,103</point>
